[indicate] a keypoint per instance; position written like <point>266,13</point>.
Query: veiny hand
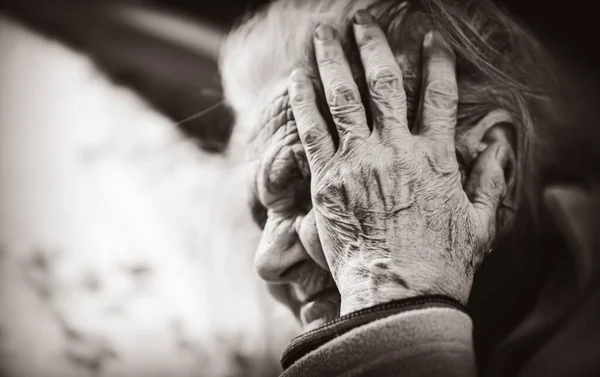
<point>391,212</point>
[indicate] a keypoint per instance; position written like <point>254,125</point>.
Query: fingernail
<point>428,40</point>
<point>363,17</point>
<point>324,32</point>
<point>298,75</point>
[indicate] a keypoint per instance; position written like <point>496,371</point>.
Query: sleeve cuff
<point>406,313</point>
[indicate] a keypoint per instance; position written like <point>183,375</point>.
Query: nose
<point>279,250</point>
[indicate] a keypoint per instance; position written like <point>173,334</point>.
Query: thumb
<point>306,228</point>
<point>486,184</point>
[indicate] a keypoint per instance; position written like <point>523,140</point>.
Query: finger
<point>486,184</point>
<point>278,248</point>
<point>314,135</point>
<point>306,227</point>
<point>440,94</point>
<point>384,78</point>
<point>277,170</point>
<point>341,91</point>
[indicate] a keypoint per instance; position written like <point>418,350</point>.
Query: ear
<point>497,127</point>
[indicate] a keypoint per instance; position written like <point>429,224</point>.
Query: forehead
<point>258,57</point>
<point>268,45</point>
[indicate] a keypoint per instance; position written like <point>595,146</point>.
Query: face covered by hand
<point>289,255</point>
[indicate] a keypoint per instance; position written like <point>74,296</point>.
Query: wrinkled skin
<point>290,244</point>
<point>389,206</point>
<point>290,256</point>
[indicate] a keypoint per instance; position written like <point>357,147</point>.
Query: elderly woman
<point>382,182</point>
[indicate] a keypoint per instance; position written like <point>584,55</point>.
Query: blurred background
<point>125,244</point>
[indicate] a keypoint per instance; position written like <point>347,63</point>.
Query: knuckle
<point>386,79</point>
<point>443,83</point>
<point>348,144</point>
<point>342,93</point>
<point>347,117</point>
<point>328,60</point>
<point>312,135</point>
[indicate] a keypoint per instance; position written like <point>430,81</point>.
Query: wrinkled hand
<point>391,212</point>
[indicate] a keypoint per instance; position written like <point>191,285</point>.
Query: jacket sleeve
<point>424,336</point>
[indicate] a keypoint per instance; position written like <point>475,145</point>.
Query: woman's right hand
<point>391,212</point>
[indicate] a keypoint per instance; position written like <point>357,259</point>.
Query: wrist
<point>368,293</point>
